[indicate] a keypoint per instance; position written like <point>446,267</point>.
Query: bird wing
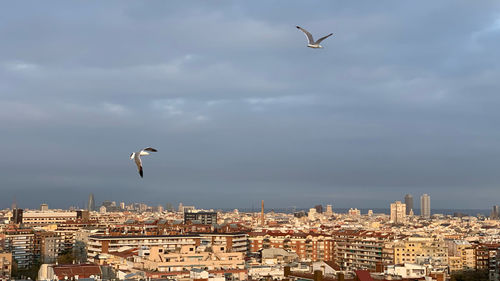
<point>308,35</point>
<point>150,149</point>
<point>138,162</point>
<point>323,38</point>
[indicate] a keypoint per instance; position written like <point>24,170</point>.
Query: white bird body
<point>314,46</point>
<point>311,43</point>
<point>136,156</point>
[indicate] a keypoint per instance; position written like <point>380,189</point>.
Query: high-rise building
<point>425,206</point>
<point>354,212</point>
<point>409,203</point>
<point>319,209</point>
<point>495,212</point>
<point>122,205</point>
<point>44,207</point>
<point>329,210</point>
<point>312,213</point>
<point>262,219</point>
<point>169,207</point>
<point>91,203</point>
<point>17,216</point>
<point>398,212</point>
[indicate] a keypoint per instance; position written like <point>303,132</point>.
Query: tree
<point>66,257</point>
<point>481,275</point>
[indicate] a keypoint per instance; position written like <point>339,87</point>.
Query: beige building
<point>362,249</point>
<point>163,259</point>
<point>398,212</point>
<point>41,218</point>
<point>420,250</point>
<point>5,266</point>
<point>462,255</point>
<point>99,244</point>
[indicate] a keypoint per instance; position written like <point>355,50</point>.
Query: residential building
<point>5,266</point>
<point>357,249</point>
<point>20,242</point>
<point>42,218</point>
<point>421,250</point>
<point>201,217</point>
<point>398,212</point>
<point>308,246</point>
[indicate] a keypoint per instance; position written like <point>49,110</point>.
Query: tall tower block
<point>262,214</point>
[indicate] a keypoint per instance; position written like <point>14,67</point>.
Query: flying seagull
<point>311,42</point>
<point>137,157</point>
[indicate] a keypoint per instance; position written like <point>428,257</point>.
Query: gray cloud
<point>403,99</point>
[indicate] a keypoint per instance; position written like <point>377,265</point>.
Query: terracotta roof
<point>125,254</point>
<point>82,270</point>
<point>363,275</point>
<point>333,265</point>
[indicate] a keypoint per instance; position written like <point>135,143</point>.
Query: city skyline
<point>226,94</point>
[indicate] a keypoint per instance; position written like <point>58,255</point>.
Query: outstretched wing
<point>150,149</point>
<point>323,38</point>
<point>138,162</point>
<point>308,35</point>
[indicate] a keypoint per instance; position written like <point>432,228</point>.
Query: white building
<point>425,206</point>
<point>398,212</point>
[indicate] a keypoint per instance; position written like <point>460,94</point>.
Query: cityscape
<point>133,241</point>
<point>320,140</point>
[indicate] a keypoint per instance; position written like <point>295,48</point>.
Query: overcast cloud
<point>404,98</point>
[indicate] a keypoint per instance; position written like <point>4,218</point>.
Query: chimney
<point>318,275</point>
<point>379,267</point>
<point>286,271</point>
<point>340,276</point>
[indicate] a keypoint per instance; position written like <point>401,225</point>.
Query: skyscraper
<point>495,212</point>
<point>91,203</point>
<point>262,219</point>
<point>425,206</point>
<point>329,210</point>
<point>409,203</point>
<point>398,212</point>
<point>319,209</point>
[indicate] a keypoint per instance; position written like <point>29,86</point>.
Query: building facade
<point>425,206</point>
<point>409,203</point>
<point>421,250</point>
<point>398,212</point>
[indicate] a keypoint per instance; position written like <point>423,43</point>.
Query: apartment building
<point>5,266</point>
<point>20,242</point>
<point>461,255</point>
<point>231,242</point>
<point>42,218</point>
<point>164,259</point>
<point>356,249</point>
<point>398,212</point>
<point>201,217</point>
<point>47,246</point>
<point>487,259</point>
<point>309,247</point>
<point>421,250</point>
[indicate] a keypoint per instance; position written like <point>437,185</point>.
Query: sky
<point>403,98</point>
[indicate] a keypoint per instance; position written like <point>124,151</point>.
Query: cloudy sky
<point>404,98</point>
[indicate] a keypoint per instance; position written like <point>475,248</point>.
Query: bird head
<point>321,47</point>
<point>132,155</point>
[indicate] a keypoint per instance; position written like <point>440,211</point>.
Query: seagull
<point>312,43</point>
<point>137,157</point>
